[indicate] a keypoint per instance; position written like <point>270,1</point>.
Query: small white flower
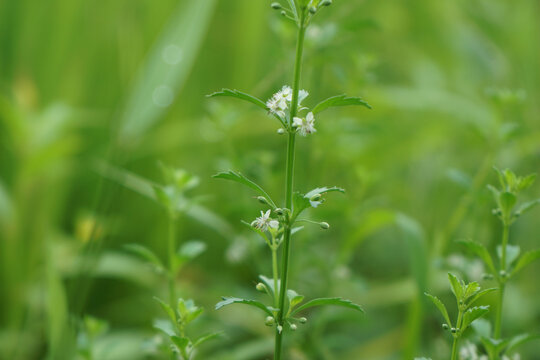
<point>265,221</point>
<point>302,95</point>
<point>286,93</point>
<point>305,126</point>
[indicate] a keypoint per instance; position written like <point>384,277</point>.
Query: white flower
<point>277,104</point>
<point>305,126</point>
<point>302,95</point>
<point>286,93</point>
<point>265,221</point>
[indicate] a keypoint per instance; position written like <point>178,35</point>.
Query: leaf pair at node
<point>466,295</point>
<point>178,319</point>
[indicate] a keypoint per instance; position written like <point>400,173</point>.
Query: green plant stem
<point>455,348</point>
<point>289,187</point>
<point>502,283</point>
<point>275,274</point>
<point>171,246</point>
<point>455,344</point>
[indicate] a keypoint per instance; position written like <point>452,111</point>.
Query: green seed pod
<point>279,211</point>
<point>454,330</point>
<point>324,225</point>
<point>281,131</point>
<point>302,320</point>
<point>269,321</point>
<point>293,327</point>
<point>445,326</point>
<point>312,9</point>
<point>276,6</point>
<point>326,2</point>
<point>279,328</point>
<point>283,13</point>
<point>503,274</point>
<point>261,287</point>
<point>262,200</point>
<point>316,197</point>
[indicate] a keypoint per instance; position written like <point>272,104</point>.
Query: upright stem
<point>457,335</point>
<point>455,349</point>
<point>275,274</point>
<point>289,186</point>
<point>171,249</point>
<point>502,281</point>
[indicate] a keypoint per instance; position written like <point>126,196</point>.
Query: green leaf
<point>239,178</point>
<point>166,307</point>
<point>526,259</point>
<point>302,202</point>
<point>328,301</point>
<point>471,289</point>
<point>240,95</point>
<point>512,253</point>
<point>191,249</point>
<point>269,283</point>
<point>292,4</point>
<point>457,286</point>
<point>494,346</point>
<point>480,251</point>
<point>339,100</point>
<point>146,254</point>
<point>523,208</point>
<point>188,310</point>
<point>180,342</point>
<point>526,182</point>
<point>206,338</point>
<point>441,308</point>
<point>473,314</point>
<point>479,294</point>
<point>519,340</point>
<point>233,300</point>
<point>294,299</point>
<point>507,201</point>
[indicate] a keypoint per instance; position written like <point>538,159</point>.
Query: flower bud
<point>262,200</point>
<point>326,2</point>
<point>279,211</point>
<point>283,13</point>
<point>503,274</point>
<point>293,327</point>
<point>281,131</point>
<point>324,225</point>
<point>276,6</point>
<point>261,287</point>
<point>302,320</point>
<point>269,321</point>
<point>316,197</point>
<point>445,326</point>
<point>279,328</point>
<point>312,9</point>
<point>454,330</point>
<point>487,276</point>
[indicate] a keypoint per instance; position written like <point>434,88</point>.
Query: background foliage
<point>90,90</point>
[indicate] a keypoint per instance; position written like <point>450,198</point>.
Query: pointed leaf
<point>239,178</point>
<point>145,253</point>
<point>233,300</point>
<point>473,314</point>
<point>191,249</point>
<point>523,208</point>
<point>480,251</point>
<point>526,259</point>
<point>206,338</point>
<point>519,340</point>
<point>512,253</point>
<point>479,294</point>
<point>166,307</point>
<point>339,100</point>
<point>457,286</point>
<point>526,182</point>
<point>441,308</point>
<point>240,95</point>
<point>294,298</point>
<point>328,301</point>
<point>508,200</point>
<point>471,289</point>
<point>180,342</point>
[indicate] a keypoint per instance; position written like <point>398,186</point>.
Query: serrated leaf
<point>480,251</point>
<point>188,310</point>
<point>233,300</point>
<point>526,259</point>
<point>479,294</point>
<point>457,286</point>
<point>327,301</point>
<point>339,100</point>
<point>512,253</point>
<point>167,308</point>
<point>471,289</point>
<point>526,182</point>
<point>438,303</point>
<point>473,314</point>
<point>164,326</point>
<point>239,178</point>
<point>304,201</point>
<point>206,338</point>
<point>145,253</point>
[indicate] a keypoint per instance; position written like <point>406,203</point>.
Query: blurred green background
<point>94,93</point>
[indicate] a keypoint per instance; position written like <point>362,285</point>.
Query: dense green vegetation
<point>100,102</point>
